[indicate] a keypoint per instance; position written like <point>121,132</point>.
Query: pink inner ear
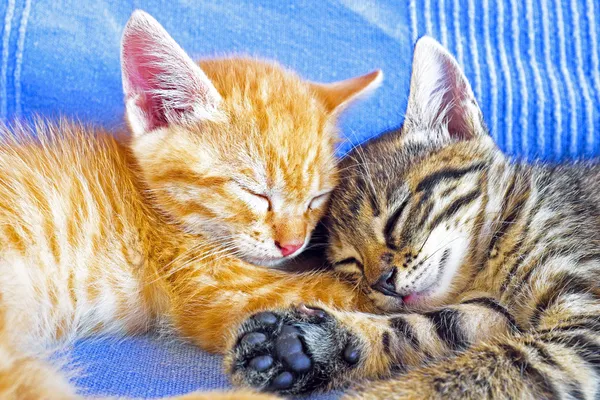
<point>458,125</point>
<point>455,97</point>
<point>140,71</point>
<point>145,69</point>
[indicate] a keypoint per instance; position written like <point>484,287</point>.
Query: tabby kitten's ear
<point>441,101</point>
<point>338,95</point>
<point>162,84</point>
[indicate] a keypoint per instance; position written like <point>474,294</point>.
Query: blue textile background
<point>534,66</point>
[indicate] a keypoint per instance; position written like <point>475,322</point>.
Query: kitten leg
<point>526,367</point>
<point>209,315</point>
<point>24,377</point>
<point>301,349</point>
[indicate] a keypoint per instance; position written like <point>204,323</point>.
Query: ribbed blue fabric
<point>148,367</point>
<point>534,66</point>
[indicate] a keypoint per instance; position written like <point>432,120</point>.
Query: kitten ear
<point>162,84</point>
<point>337,95</point>
<point>441,99</point>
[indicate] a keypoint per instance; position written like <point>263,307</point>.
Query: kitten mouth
<point>423,294</point>
<point>254,254</point>
<point>416,297</point>
<point>411,298</point>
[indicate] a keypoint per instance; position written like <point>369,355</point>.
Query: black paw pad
<point>351,354</point>
<point>289,330</point>
<point>266,318</point>
<point>261,363</point>
<point>288,348</point>
<point>298,362</point>
<point>294,351</point>
<point>254,338</point>
<point>282,381</point>
<point>288,345</point>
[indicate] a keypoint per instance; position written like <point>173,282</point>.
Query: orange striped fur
<point>164,227</point>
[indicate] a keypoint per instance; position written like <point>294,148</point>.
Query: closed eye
<point>350,261</point>
<point>390,225</point>
<point>261,196</point>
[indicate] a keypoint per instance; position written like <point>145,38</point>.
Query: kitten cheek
<point>197,224</point>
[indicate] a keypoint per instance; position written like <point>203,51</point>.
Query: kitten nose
<point>289,248</point>
<point>386,283</point>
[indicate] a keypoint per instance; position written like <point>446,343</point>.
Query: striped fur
<point>164,228</point>
<point>495,263</point>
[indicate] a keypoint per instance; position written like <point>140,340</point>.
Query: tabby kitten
<point>227,166</point>
<point>495,262</point>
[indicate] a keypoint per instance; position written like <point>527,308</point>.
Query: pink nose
<point>289,248</point>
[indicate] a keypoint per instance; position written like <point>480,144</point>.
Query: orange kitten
<point>227,166</point>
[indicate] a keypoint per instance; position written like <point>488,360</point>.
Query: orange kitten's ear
<point>338,95</point>
<point>162,84</point>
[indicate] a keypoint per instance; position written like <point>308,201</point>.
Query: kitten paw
<point>293,351</point>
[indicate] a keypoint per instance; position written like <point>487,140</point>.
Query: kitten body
<point>494,261</point>
<point>225,167</point>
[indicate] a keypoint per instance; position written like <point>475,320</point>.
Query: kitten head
<point>239,151</point>
<point>415,197</point>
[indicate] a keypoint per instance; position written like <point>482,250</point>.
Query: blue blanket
<point>534,66</point>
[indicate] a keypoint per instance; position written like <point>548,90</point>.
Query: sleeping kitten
<point>496,263</point>
<point>227,166</point>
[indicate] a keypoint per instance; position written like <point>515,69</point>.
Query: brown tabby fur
<point>495,262</point>
<point>121,235</point>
